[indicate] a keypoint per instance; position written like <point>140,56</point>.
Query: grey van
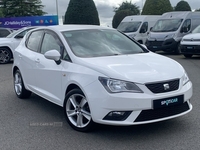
<point>169,30</point>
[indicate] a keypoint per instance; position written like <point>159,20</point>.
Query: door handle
<point>20,56</point>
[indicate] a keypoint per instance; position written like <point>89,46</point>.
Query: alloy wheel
<point>18,83</point>
<point>78,111</point>
<point>4,56</point>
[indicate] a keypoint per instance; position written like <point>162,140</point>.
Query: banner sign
<point>20,22</point>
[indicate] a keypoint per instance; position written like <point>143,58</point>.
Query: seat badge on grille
<point>166,86</point>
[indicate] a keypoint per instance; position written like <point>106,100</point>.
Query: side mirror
<point>150,28</point>
<point>53,55</point>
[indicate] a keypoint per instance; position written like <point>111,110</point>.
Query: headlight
<point>185,78</point>
<point>117,86</point>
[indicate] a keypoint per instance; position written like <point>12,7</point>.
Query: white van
<point>190,44</point>
<point>169,30</point>
<point>138,26</point>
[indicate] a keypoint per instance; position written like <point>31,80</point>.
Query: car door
<point>48,72</point>
<point>143,32</point>
<point>27,57</point>
<point>17,38</point>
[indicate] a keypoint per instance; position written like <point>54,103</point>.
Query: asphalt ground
<point>37,124</point>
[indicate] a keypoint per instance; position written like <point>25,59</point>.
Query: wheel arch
<point>71,87</point>
<point>14,69</point>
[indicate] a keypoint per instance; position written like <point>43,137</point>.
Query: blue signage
<point>19,22</point>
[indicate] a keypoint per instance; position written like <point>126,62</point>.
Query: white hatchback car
<point>100,76</point>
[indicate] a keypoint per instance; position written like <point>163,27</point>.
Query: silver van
<point>169,30</point>
<point>137,27</point>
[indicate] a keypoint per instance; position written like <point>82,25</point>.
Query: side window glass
<point>50,42</point>
<point>144,27</point>
<point>186,26</point>
<point>21,34</point>
<point>34,40</point>
<point>4,32</point>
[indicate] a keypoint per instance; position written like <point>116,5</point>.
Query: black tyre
<point>188,55</point>
<point>19,87</point>
<point>77,111</point>
<point>178,49</point>
<point>5,55</point>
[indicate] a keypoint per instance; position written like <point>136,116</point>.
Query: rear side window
<point>34,40</point>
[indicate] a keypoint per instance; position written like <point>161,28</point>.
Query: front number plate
<point>166,102</point>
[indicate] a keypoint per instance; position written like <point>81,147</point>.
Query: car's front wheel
<point>19,87</point>
<point>178,49</point>
<point>188,55</point>
<point>5,55</point>
<point>77,111</point>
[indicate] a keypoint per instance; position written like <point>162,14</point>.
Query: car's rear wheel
<point>77,111</point>
<point>19,87</point>
<point>188,55</point>
<point>5,55</point>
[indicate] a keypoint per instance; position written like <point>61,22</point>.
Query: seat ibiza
<point>99,75</point>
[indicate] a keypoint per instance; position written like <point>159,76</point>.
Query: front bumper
<point>169,45</point>
<point>138,106</point>
<point>190,49</point>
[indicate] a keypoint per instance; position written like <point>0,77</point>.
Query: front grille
<point>160,88</point>
<point>147,115</point>
<point>190,48</point>
<point>156,43</point>
<point>192,40</point>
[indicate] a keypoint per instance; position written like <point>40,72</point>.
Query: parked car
<point>99,75</point>
<point>5,32</point>
<point>9,43</point>
<point>168,31</point>
<point>137,27</point>
<point>190,44</point>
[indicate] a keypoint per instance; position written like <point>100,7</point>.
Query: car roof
<point>70,27</point>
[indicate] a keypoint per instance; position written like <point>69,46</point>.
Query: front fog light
<point>117,115</point>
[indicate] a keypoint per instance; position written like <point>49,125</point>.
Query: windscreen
<point>97,43</point>
<point>196,30</point>
<point>167,25</point>
<point>129,26</point>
